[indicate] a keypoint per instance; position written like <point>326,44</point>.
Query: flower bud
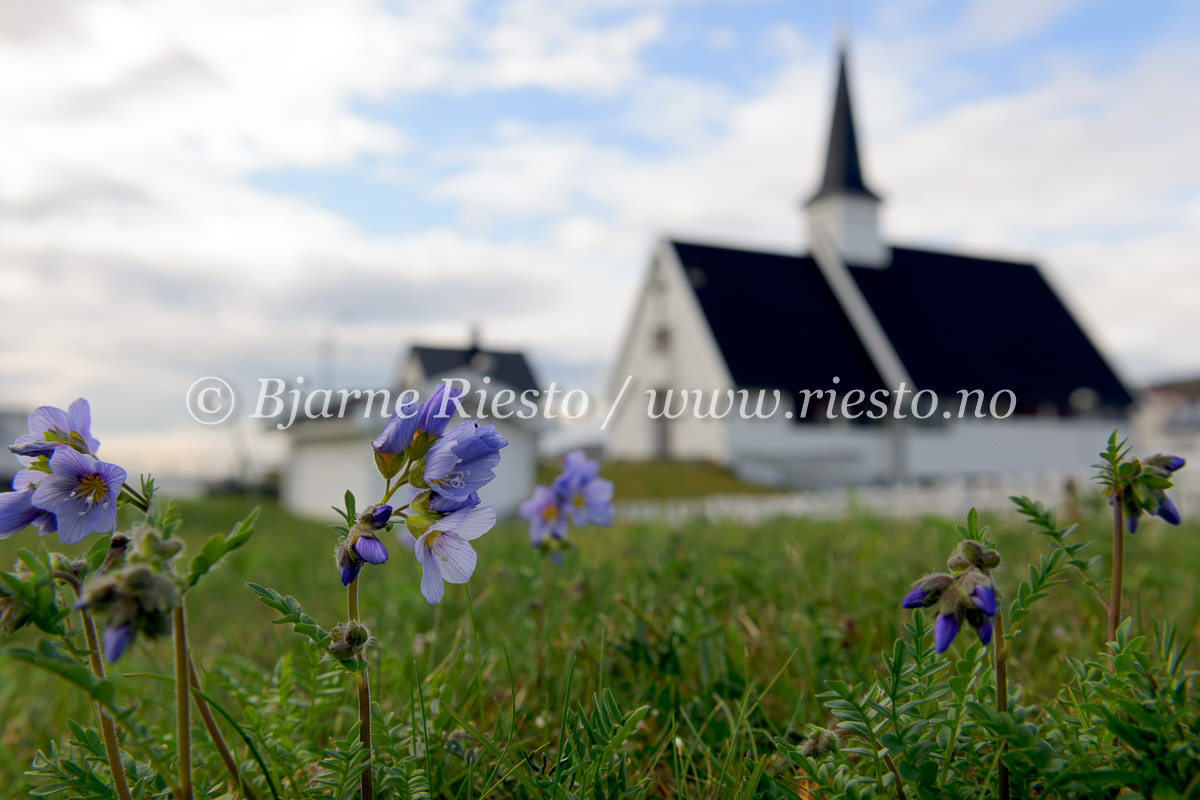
<point>118,545</point>
<point>348,562</point>
<point>1166,463</point>
<point>380,515</point>
<point>417,525</point>
<point>349,640</point>
<point>1167,511</point>
<point>927,591</point>
<point>136,599</point>
<point>820,742</point>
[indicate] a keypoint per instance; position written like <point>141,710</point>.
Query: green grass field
<point>726,632</point>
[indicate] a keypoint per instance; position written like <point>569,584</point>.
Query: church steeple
<point>843,169</point>
<point>844,212</point>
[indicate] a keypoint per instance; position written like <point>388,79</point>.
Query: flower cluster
<point>578,495</point>
<point>137,598</point>
<point>62,487</point>
<point>447,469</point>
<point>967,593</point>
<point>1144,491</point>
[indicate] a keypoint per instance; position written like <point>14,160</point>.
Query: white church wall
<point>1052,446</point>
<point>690,360</point>
<point>779,452</point>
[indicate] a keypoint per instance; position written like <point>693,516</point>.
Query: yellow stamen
<point>92,489</point>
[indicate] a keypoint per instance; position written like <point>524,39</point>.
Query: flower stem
<point>1001,648</point>
<point>363,683</point>
<point>899,784</point>
<point>112,746</point>
<point>475,638</point>
<point>400,480</point>
<point>182,705</point>
<point>214,733</point>
<point>135,497</point>
<point>540,619</point>
<point>1118,566</point>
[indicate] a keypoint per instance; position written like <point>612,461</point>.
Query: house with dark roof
<point>858,361</point>
<point>327,456</point>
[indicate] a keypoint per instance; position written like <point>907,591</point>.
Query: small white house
<point>854,317</point>
<point>328,456</point>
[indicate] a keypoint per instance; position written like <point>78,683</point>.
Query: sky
<point>226,187</point>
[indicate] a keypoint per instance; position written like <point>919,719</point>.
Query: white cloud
<point>136,256</point>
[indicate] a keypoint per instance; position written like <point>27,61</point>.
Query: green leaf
<point>217,547</point>
<point>50,658</point>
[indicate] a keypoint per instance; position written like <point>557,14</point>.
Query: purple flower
<point>461,462</point>
<point>592,504</point>
<point>380,515</point>
<point>442,505</point>
<point>17,511</point>
<point>349,568</point>
<point>982,623</point>
<point>370,550</point>
<point>444,550</point>
<point>1174,463</point>
<point>944,631</point>
<point>586,496</point>
<point>116,639</point>
<point>1167,511</point>
<point>547,515</point>
<point>927,591</point>
<point>577,470</point>
<point>984,598</point>
<point>438,410</point>
<point>1131,522</point>
<point>51,427</point>
<point>81,492</point>
<point>398,432</point>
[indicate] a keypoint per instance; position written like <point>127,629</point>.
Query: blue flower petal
<point>915,598</point>
<point>349,571</point>
<point>16,512</point>
<point>370,550</point>
<point>1168,511</point>
<point>944,631</point>
<point>116,639</point>
<point>984,598</point>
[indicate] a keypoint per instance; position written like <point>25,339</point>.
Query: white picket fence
<point>950,499</point>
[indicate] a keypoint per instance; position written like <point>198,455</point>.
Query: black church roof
<point>959,322</point>
<point>776,320</point>
<point>956,322</point>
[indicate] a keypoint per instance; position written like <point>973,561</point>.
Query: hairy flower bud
<point>349,640</point>
<point>348,562</point>
<point>151,547</point>
<point>927,591</point>
<point>1166,463</point>
<point>118,545</point>
<point>136,599</point>
<point>820,741</point>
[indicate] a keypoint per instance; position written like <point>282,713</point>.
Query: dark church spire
<point>843,170</point>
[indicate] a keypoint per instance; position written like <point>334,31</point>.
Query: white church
<point>858,315</point>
